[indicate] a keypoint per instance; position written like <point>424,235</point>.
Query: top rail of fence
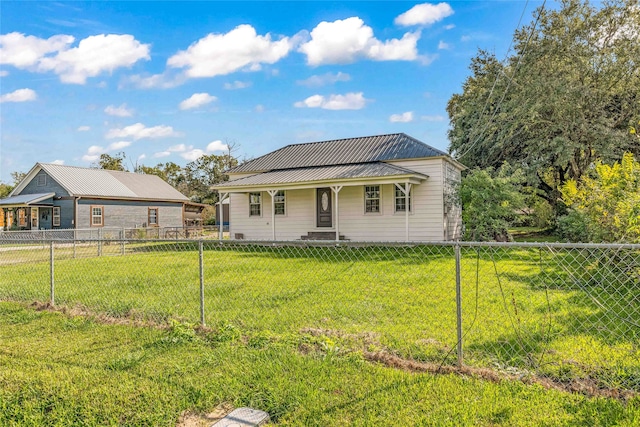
<point>108,236</point>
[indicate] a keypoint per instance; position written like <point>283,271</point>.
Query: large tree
<point>569,96</point>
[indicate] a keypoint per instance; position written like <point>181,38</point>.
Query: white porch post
<point>273,193</point>
<point>406,190</point>
<point>336,189</point>
<point>222,197</point>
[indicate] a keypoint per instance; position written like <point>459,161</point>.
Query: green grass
<point>557,315</point>
<point>60,370</point>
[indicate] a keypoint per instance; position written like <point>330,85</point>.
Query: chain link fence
<point>570,313</point>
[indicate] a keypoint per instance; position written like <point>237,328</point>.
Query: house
<point>377,188</point>
<point>54,196</point>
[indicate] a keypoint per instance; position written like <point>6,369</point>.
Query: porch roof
<point>23,200</point>
<point>353,174</point>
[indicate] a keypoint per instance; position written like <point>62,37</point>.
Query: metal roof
<point>341,152</point>
<point>107,183</point>
<point>27,199</point>
<point>322,173</point>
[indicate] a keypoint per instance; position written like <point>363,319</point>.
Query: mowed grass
<point>521,309</point>
<point>60,370</point>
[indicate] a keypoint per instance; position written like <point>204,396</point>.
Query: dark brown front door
<point>323,207</point>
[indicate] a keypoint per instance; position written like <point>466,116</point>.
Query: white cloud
<point>196,100</point>
<point>325,79</point>
<point>237,85</point>
<point>192,154</point>
<point>162,154</point>
<point>345,41</point>
<point>20,95</point>
<point>142,156</point>
<point>436,118</point>
<point>93,56</point>
<point>405,117</point>
<point>139,131</point>
<point>4,73</point>
<point>83,128</point>
<point>219,54</point>
<point>449,27</point>
<point>58,162</point>
<point>443,45</point>
<point>121,111</point>
<point>162,81</point>
<point>216,146</point>
<point>93,153</point>
<point>177,148</point>
<point>259,108</point>
<point>118,145</point>
<point>424,14</point>
<point>90,157</point>
<point>349,101</point>
<point>95,149</point>
<point>26,51</point>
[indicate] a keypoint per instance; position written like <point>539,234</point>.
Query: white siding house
<point>346,189</point>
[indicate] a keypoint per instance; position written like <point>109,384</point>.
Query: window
<point>22,218</point>
<point>153,217</point>
<point>400,199</point>
<point>34,218</point>
<point>97,216</point>
<point>42,180</point>
<point>372,199</point>
<point>279,203</point>
<point>56,216</point>
<point>255,202</point>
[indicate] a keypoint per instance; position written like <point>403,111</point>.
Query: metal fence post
<point>99,241</point>
<point>200,252</point>
<point>52,299</point>
<point>122,251</point>
<point>458,304</point>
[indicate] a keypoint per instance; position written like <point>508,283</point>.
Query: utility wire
<point>524,50</point>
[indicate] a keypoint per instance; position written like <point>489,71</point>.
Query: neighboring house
<point>63,197</point>
<point>377,188</point>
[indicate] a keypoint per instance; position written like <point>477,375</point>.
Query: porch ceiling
<point>23,200</point>
<point>346,175</point>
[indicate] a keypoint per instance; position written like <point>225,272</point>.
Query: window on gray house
<point>42,180</point>
<point>97,216</point>
<point>56,216</point>
<point>153,217</point>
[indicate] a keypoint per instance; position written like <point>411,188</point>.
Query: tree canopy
<point>568,96</point>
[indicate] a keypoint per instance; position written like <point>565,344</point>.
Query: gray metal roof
<point>322,173</point>
<point>113,184</point>
<point>341,152</point>
<point>27,199</point>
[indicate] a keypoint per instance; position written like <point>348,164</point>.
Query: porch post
<point>407,187</point>
<point>273,193</point>
<point>405,190</point>
<point>221,230</point>
<point>336,189</point>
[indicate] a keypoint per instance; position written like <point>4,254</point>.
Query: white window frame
<point>93,216</point>
<point>56,216</point>
<point>280,198</point>
<point>379,199</point>
<point>258,204</point>
<point>399,195</point>
<point>153,224</point>
<point>41,180</point>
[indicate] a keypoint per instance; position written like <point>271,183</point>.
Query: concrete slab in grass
<point>243,417</point>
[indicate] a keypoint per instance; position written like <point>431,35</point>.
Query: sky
<point>165,81</point>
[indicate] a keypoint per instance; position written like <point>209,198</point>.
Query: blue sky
<point>170,81</point>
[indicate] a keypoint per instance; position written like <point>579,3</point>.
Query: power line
<point>524,50</point>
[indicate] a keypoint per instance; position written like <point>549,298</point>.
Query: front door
<point>324,217</point>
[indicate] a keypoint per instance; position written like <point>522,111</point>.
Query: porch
<point>29,212</point>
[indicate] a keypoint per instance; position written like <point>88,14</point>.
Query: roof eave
<point>414,178</point>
